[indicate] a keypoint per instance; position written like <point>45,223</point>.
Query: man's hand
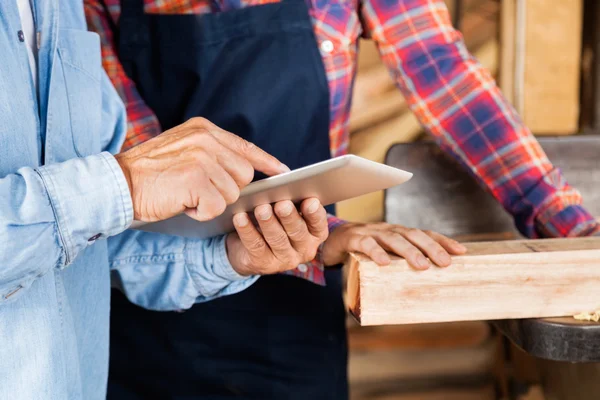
<point>376,240</point>
<point>196,167</point>
<point>286,238</point>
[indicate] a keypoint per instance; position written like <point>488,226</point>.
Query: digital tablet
<point>330,181</point>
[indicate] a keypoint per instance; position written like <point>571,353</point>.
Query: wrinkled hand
<point>376,240</point>
<point>196,167</point>
<point>285,240</point>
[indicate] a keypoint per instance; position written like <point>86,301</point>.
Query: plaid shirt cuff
<point>571,221</point>
<point>314,271</point>
<point>554,209</point>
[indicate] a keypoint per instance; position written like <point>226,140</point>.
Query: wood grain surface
<point>494,280</point>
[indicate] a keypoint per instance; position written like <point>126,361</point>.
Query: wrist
<point>122,161</point>
<point>233,252</point>
<point>332,250</point>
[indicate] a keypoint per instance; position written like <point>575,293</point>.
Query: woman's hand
<point>376,240</point>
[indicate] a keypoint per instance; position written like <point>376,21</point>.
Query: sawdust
<point>586,316</point>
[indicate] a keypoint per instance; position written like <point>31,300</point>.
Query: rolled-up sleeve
<point>165,273</point>
<point>90,199</point>
<point>51,214</point>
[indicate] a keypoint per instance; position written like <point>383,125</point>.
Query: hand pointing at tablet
<point>196,168</point>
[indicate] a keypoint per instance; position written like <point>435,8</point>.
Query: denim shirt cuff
<point>209,266</point>
<point>90,199</point>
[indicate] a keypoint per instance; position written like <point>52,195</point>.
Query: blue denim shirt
<point>64,211</point>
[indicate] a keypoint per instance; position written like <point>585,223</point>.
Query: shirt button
<point>93,238</point>
<point>21,36</point>
<point>303,268</point>
<point>327,46</point>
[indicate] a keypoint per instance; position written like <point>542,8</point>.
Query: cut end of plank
<point>354,286</point>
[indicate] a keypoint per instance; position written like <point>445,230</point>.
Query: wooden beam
<point>494,280</point>
<point>548,65</point>
<point>506,73</point>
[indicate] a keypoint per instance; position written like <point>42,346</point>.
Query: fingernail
<point>240,220</point>
<point>264,213</point>
<point>284,168</point>
<point>313,207</point>
<point>384,259</point>
<point>285,210</point>
<point>422,261</point>
<point>459,247</point>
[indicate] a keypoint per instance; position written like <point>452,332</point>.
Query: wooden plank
<point>494,280</point>
<point>551,66</point>
<point>507,48</point>
<point>444,393</point>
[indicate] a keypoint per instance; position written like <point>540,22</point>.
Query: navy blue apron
<point>258,73</point>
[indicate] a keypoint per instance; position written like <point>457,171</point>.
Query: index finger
<point>260,159</point>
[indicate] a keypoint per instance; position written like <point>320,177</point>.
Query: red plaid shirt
<point>454,98</point>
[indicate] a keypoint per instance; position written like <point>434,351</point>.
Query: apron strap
<point>131,8</point>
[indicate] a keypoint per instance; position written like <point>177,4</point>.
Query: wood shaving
<point>586,316</point>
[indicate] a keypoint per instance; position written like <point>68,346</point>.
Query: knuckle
<point>366,242</point>
<point>198,153</point>
<point>218,208</point>
<point>413,233</point>
<point>246,172</point>
<point>196,121</point>
<point>413,253</point>
<point>256,245</point>
<point>309,254</point>
<point>202,135</point>
<point>297,233</point>
<point>278,241</point>
<point>233,195</point>
<point>246,146</point>
<point>292,262</point>
<point>246,262</point>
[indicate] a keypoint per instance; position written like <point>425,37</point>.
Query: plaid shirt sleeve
<point>102,18</point>
<point>458,102</point>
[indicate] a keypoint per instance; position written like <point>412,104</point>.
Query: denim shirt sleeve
<point>49,215</point>
<point>164,273</point>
